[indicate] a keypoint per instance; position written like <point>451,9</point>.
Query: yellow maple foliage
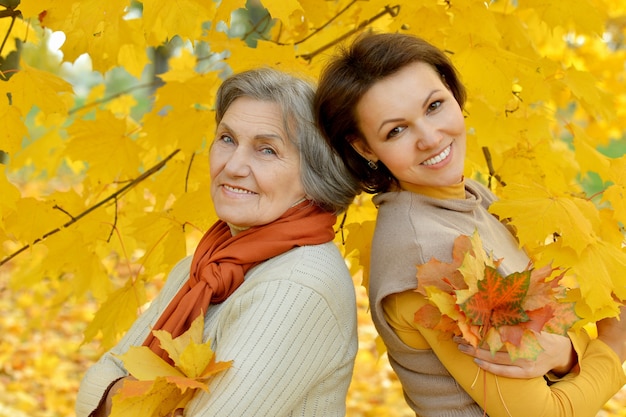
<point>160,387</point>
<point>104,134</point>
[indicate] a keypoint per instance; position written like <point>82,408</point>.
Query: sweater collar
<point>450,192</point>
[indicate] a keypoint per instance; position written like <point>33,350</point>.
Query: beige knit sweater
<point>441,382</point>
<point>290,330</point>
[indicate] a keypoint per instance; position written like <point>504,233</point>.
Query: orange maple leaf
<point>498,301</point>
<point>469,297</point>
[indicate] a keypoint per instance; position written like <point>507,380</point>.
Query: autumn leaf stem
<point>113,196</point>
<point>255,28</point>
<point>341,226</point>
<point>393,11</point>
<point>133,276</point>
<point>193,155</point>
<point>508,413</point>
<point>62,210</point>
<point>485,394</point>
<point>149,252</point>
<point>597,194</point>
<point>114,225</point>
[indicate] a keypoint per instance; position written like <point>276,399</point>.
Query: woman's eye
<point>434,105</point>
<point>395,131</point>
<point>226,138</point>
<point>268,151</point>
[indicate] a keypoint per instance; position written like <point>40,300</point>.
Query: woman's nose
<point>428,136</point>
<point>238,163</point>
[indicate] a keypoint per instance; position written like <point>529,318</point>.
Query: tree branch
<point>10,13</point>
<point>113,196</point>
<point>492,172</point>
<point>314,32</point>
<point>391,10</point>
<point>111,97</point>
<point>13,14</point>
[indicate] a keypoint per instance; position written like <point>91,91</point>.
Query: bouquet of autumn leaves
<point>469,298</point>
<point>161,388</point>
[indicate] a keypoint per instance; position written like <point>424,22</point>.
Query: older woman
<point>277,296</point>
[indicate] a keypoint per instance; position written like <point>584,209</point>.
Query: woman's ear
<point>362,148</point>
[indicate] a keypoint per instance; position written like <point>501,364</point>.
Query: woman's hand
<point>104,409</point>
<point>558,356</point>
<point>612,331</point>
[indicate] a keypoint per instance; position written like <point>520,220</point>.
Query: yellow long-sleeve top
<point>438,379</point>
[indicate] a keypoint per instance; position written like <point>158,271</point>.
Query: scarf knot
<point>221,261</point>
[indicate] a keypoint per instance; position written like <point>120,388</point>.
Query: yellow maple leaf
<point>114,156</point>
<point>537,213</point>
<point>132,51</point>
<point>316,12</point>
<point>164,19</point>
<point>181,67</point>
<point>32,219</point>
<point>473,266</point>
<point>12,128</point>
<point>585,87</point>
<point>33,8</point>
<point>354,232</point>
<point>117,313</point>
<point>144,365</point>
<point>358,247</point>
<point>282,9</point>
<point>266,53</point>
<point>616,193</point>
<point>586,16</point>
<point>591,277</point>
<point>153,398</point>
<point>225,9</point>
<point>485,57</point>
<point>185,208</point>
<point>33,87</point>
<point>45,154</point>
<point>181,128</point>
<point>175,347</point>
<point>587,156</point>
<point>161,387</point>
<point>93,27</point>
<point>9,192</point>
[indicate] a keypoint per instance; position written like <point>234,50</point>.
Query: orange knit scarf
<point>221,261</point>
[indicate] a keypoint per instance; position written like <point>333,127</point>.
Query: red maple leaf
<point>498,301</point>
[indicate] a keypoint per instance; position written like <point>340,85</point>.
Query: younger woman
<point>391,106</point>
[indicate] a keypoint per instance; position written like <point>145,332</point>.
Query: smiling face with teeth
<point>255,167</point>
<point>412,123</point>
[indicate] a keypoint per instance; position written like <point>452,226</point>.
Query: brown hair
<point>350,74</point>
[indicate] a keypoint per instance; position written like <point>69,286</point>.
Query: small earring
<point>372,165</point>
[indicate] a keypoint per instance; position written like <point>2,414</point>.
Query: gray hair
<point>325,178</point>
